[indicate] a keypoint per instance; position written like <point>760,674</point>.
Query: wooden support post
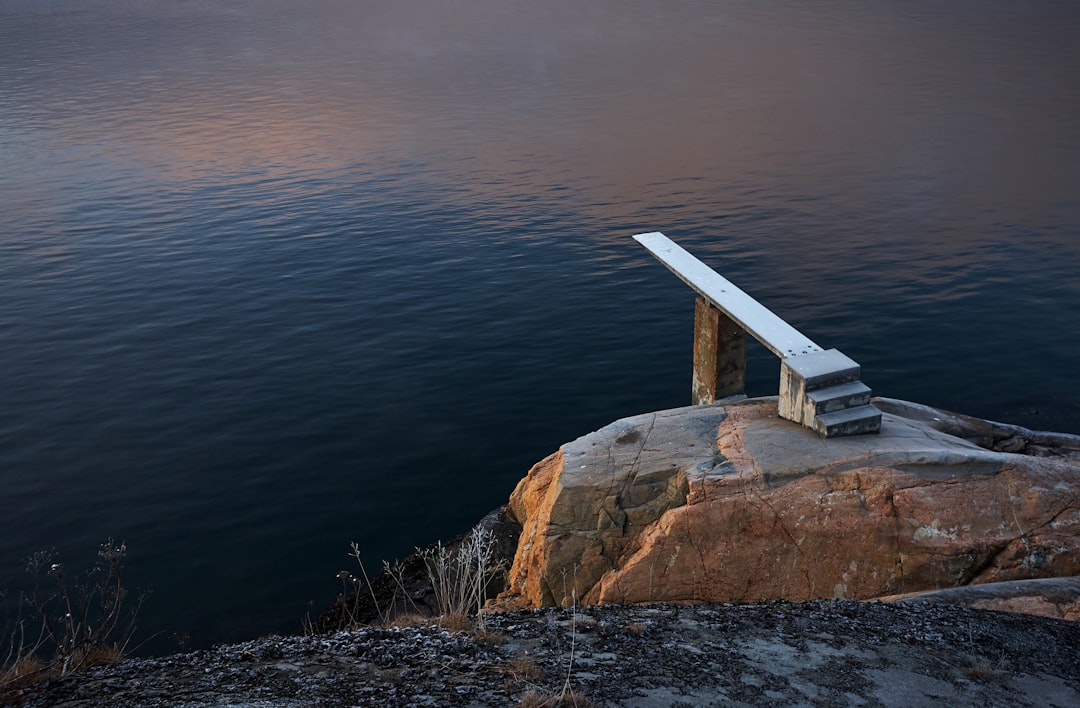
<point>719,355</point>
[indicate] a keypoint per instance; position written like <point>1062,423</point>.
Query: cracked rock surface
<point>821,652</point>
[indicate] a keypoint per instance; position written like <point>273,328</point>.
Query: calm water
<point>280,275</point>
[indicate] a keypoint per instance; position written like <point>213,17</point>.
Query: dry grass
<point>487,637</point>
<point>410,619</point>
<point>561,699</point>
<point>21,669</point>
<point>456,622</point>
<point>980,668</point>
<point>524,669</point>
<point>19,677</point>
<point>98,656</point>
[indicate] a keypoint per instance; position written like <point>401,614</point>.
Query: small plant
<point>352,604</point>
<point>20,664</point>
<point>455,622</point>
<point>525,669</point>
<point>411,619</point>
<point>80,623</point>
<point>566,696</point>
<point>450,582</point>
<point>350,590</point>
<point>982,669</point>
<point>410,611</point>
<point>567,689</point>
<point>460,578</point>
<point>540,699</point>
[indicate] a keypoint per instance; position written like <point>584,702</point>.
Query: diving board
<point>819,388</point>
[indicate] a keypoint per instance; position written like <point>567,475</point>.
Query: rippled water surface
<point>280,275</point>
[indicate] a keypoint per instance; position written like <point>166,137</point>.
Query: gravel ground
<point>815,653</point>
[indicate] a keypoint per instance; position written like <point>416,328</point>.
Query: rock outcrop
<point>731,503</point>
<point>1057,598</point>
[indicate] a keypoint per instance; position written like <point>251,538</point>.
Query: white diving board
<point>782,339</point>
<point>819,388</point>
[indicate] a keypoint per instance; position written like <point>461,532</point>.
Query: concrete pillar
<point>719,355</point>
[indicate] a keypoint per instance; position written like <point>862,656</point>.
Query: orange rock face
<point>731,503</point>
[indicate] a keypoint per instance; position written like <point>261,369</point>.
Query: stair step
<point>838,397</point>
<point>850,421</point>
<point>822,369</point>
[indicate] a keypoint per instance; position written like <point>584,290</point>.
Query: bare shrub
<point>460,578</point>
<point>77,623</point>
<point>449,582</point>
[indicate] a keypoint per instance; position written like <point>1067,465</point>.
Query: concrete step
<point>851,421</point>
<point>838,397</point>
<point>822,369</point>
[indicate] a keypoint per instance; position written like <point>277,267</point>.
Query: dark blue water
<point>278,275</point>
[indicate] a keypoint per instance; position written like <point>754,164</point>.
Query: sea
<point>277,276</point>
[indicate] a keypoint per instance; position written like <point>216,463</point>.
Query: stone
<point>729,502</point>
<point>1057,598</point>
<point>581,507</point>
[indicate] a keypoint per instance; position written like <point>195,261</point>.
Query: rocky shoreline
<point>814,653</point>
<point>681,558</point>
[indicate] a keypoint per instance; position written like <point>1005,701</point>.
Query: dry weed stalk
<point>82,623</point>
<point>460,578</point>
<point>567,696</point>
<point>539,699</point>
